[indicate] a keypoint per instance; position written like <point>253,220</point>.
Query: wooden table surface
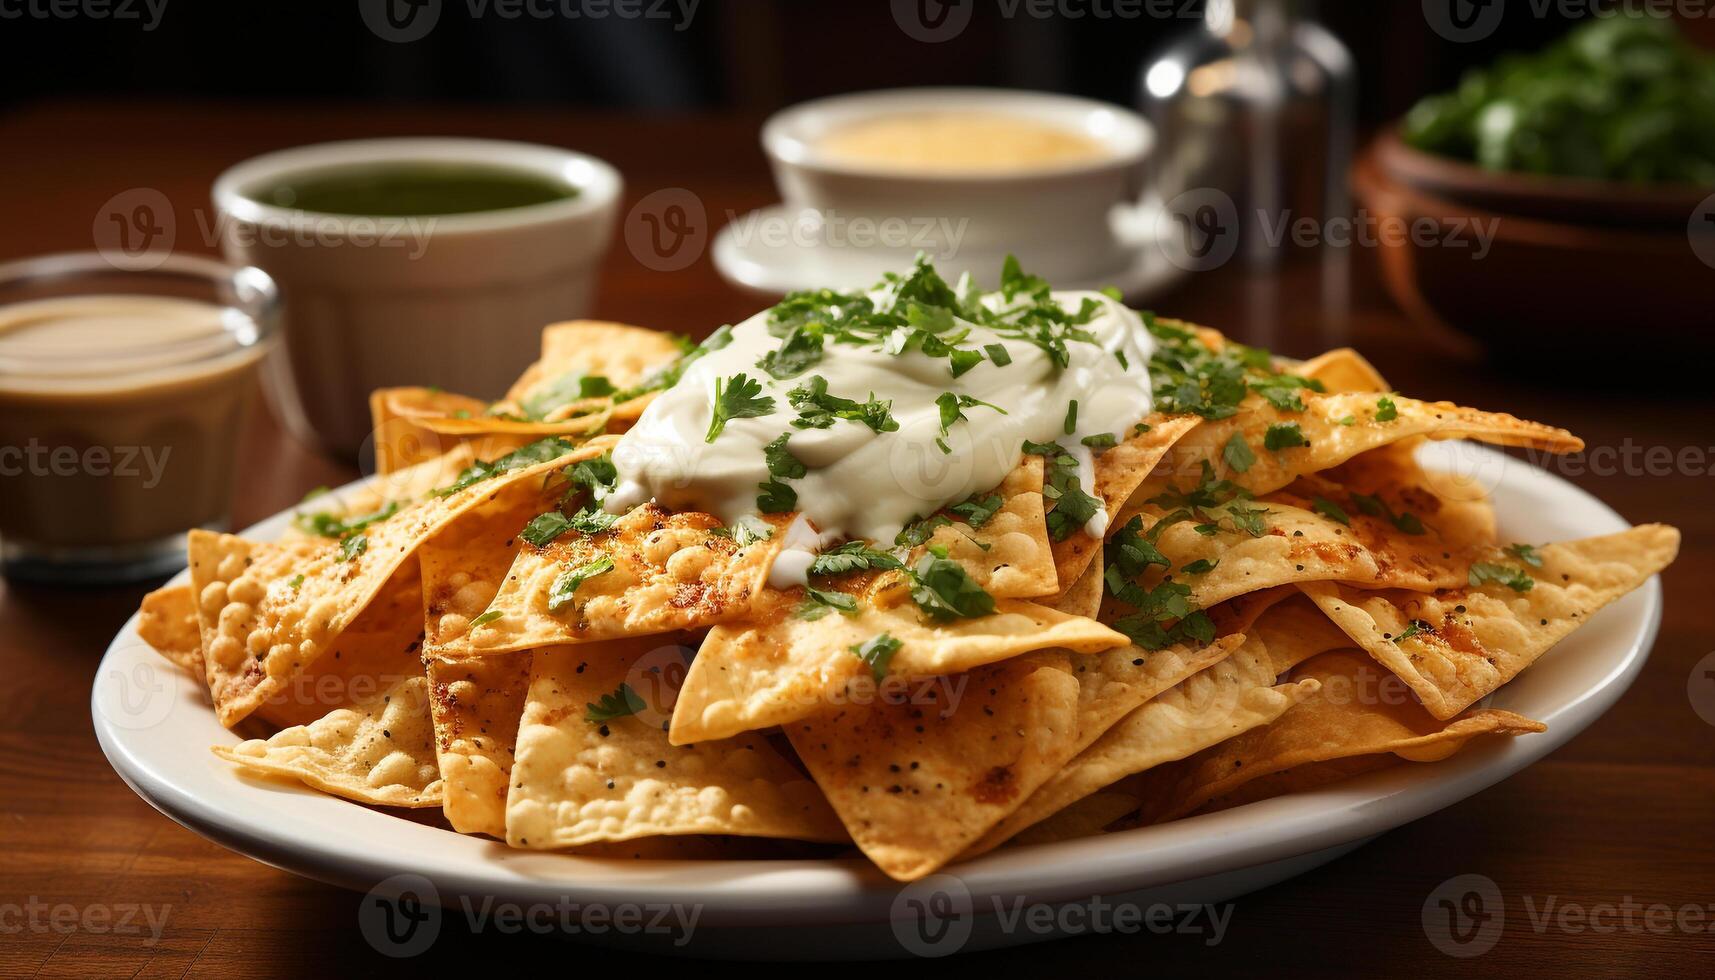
<point>1620,815</point>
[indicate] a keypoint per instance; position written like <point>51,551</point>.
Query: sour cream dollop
<point>861,483</point>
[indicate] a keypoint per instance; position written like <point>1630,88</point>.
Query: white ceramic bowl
<point>1057,219</point>
<point>155,725</point>
<point>457,301</point>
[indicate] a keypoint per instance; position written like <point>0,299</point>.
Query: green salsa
<point>412,188</point>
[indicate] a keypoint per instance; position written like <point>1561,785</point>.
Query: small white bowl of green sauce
<point>413,261</point>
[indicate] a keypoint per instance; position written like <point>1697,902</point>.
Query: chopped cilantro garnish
<point>1525,553</point>
<point>596,474</point>
<point>296,582</point>
<point>486,618</point>
<point>1515,579</point>
<point>877,651</point>
<point>776,498</point>
<point>540,451</point>
<point>621,703</point>
<point>952,406</point>
<point>1237,453</point>
<point>800,351</point>
<point>851,557</point>
<point>1101,442</point>
<point>998,354</point>
<point>1375,506</point>
<point>749,529</point>
<point>919,531</point>
<point>560,592</point>
<point>781,462</point>
<point>1386,410</point>
<point>1329,509</point>
<point>563,390</point>
<point>1201,566</point>
<point>1212,500</point>
<point>1073,508</point>
<point>330,525</point>
<point>544,528</point>
<point>1130,551</point>
<point>818,410</point>
<point>1071,424</point>
<point>352,546</point>
<point>819,602</point>
<point>1412,629</point>
<point>737,397</point>
<point>1347,420</point>
<point>977,510</point>
<point>1283,436</point>
<point>1283,391</point>
<point>944,590</point>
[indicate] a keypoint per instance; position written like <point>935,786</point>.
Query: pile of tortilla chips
<point>1284,598</point>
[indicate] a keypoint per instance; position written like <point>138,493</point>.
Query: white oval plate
<point>155,725</point>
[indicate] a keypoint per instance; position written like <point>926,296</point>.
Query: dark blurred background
<point>743,55</point>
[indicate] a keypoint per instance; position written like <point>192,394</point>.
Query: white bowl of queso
<point>967,174</point>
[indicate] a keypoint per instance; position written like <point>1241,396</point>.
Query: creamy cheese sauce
<point>861,483</point>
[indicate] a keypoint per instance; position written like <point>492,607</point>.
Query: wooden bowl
<point>1569,278</point>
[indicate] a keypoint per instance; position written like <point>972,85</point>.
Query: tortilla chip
<point>1342,370</point>
<point>475,705</point>
<point>1453,507</point>
<point>1085,818</point>
<point>1294,630</point>
<point>167,621</point>
<point>917,780</point>
<point>1084,596</point>
<point>1119,471</point>
<point>1331,442</point>
<point>577,781</point>
<point>380,751</point>
<point>1009,555</point>
<point>774,667</point>
<point>268,611</point>
<point>669,572</point>
<point>1470,641</point>
<point>624,355</point>
<point>1355,715</point>
<point>1112,684</point>
<point>1299,545</point>
<point>1233,696</point>
<point>475,702</point>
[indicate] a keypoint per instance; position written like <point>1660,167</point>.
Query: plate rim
<point>844,891</point>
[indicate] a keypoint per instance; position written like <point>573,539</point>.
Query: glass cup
<point>123,395</point>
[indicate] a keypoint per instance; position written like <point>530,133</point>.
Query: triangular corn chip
<point>379,751</point>
<point>1453,507</point>
<point>1009,554</point>
<point>775,667</point>
<point>1294,630</point>
<point>1455,646</point>
<point>1342,370</point>
<point>1353,716</point>
<point>651,572</point>
<point>476,702</point>
<point>167,621</point>
<point>625,356</point>
<point>1085,818</point>
<point>917,781</point>
<point>268,611</point>
<point>593,763</point>
<point>1119,471</point>
<point>1332,429</point>
<point>1084,596</point>
<point>1232,696</point>
<point>475,705</point>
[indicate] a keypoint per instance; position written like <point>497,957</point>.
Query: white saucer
<point>796,257</point>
